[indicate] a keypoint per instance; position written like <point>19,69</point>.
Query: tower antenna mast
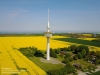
<point>48,27</point>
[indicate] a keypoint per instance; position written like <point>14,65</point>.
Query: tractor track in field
<point>22,59</point>
<point>14,59</point>
<point>27,63</point>
<point>10,55</point>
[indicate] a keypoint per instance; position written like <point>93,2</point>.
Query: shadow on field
<point>79,41</point>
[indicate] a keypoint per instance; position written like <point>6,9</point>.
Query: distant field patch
<point>88,35</point>
<point>79,41</point>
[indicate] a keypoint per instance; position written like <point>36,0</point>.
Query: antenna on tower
<point>48,20</point>
<point>48,15</point>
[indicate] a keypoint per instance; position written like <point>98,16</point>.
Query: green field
<point>79,41</point>
<point>45,66</point>
<point>96,73</point>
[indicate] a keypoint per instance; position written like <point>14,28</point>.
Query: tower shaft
<point>48,48</point>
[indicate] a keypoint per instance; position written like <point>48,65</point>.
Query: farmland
<point>80,41</point>
<point>13,62</point>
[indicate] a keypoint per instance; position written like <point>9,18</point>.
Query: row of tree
<point>80,51</point>
<point>31,52</point>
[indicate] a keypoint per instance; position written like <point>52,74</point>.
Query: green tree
<point>97,53</point>
<point>75,57</point>
<point>53,54</point>
<point>67,55</point>
<point>92,52</point>
<point>69,68</point>
<point>73,47</point>
<point>66,60</point>
<point>79,55</point>
<point>68,49</point>
<point>81,47</point>
<point>83,52</point>
<point>57,50</point>
<point>28,51</point>
<point>38,53</point>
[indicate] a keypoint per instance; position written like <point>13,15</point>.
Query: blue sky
<point>65,15</point>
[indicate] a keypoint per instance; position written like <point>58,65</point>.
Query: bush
<point>97,61</point>
<point>68,49</point>
<point>79,55</point>
<point>75,57</point>
<point>81,47</point>
<point>73,47</point>
<point>83,52</point>
<point>70,58</point>
<point>66,60</point>
<point>38,53</point>
<point>57,50</point>
<point>28,51</point>
<point>67,55</point>
<point>64,49</point>
<point>31,52</point>
<point>97,53</point>
<point>69,68</point>
<point>92,52</point>
<point>53,54</point>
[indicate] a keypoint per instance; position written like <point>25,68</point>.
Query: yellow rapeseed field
<point>89,39</point>
<point>37,41</point>
<point>12,61</point>
<point>88,35</point>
